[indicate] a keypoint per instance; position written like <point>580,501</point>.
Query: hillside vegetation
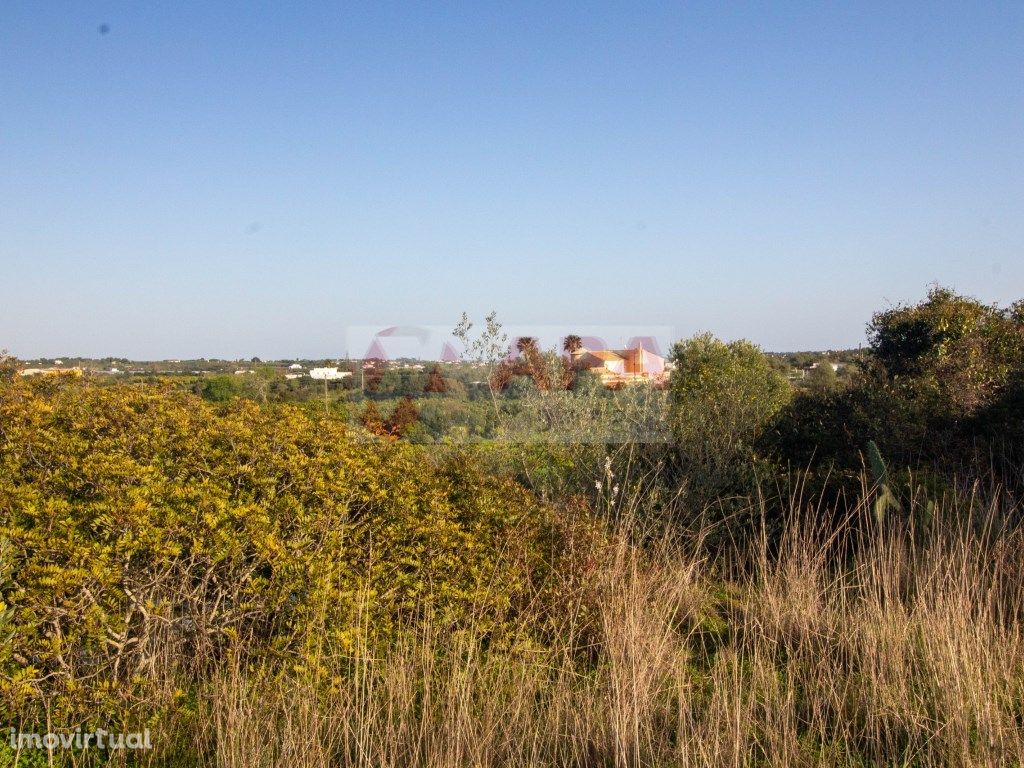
<point>732,572</point>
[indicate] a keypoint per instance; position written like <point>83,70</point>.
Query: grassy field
<point>907,651</point>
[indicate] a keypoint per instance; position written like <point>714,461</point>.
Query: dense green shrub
<point>951,348</point>
<point>219,389</point>
<point>723,397</point>
<point>940,387</point>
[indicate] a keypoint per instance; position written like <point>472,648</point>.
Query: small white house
<point>834,366</point>
<point>295,367</point>
<point>328,374</point>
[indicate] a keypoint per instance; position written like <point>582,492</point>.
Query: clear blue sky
<point>235,179</point>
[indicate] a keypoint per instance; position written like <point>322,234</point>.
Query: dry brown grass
<point>906,652</point>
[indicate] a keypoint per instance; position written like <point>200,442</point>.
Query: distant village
<point>614,368</point>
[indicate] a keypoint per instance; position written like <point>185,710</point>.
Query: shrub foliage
<point>146,526</point>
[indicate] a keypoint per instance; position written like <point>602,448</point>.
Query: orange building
<point>621,366</point>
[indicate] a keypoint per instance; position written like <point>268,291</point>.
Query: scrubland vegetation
<point>735,571</point>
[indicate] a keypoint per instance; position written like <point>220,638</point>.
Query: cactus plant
<point>885,499</point>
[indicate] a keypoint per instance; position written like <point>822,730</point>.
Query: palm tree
<point>526,344</point>
<point>572,343</point>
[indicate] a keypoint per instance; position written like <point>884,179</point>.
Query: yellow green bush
<point>149,528</point>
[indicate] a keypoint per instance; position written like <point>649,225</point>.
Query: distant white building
<point>835,366</point>
<point>295,366</point>
<point>328,374</point>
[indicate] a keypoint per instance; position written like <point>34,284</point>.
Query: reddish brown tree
<point>435,382</point>
<point>371,419</point>
<point>403,417</point>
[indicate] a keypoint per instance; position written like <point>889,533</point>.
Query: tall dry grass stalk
<point>899,646</point>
